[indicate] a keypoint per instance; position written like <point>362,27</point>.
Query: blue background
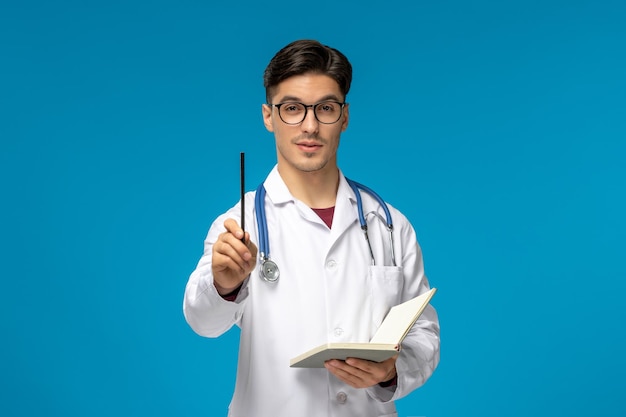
<point>498,128</point>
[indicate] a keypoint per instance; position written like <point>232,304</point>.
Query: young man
<point>328,289</point>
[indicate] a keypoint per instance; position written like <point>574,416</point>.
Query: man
<point>327,290</point>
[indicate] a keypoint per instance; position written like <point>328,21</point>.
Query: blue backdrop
<point>499,128</point>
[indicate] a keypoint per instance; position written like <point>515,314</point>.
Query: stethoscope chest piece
<point>269,270</point>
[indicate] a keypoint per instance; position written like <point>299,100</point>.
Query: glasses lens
<point>328,111</point>
<point>292,113</point>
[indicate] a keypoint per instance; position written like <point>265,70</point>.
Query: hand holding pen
<point>234,255</point>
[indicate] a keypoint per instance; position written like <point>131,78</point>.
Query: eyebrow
<point>298,99</point>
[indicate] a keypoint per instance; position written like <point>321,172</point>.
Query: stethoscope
<point>270,272</point>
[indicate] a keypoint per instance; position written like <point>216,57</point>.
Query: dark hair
<point>307,56</point>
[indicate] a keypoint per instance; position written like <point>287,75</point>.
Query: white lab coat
<point>327,292</point>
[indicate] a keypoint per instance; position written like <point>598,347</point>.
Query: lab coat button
<point>342,397</point>
<point>331,264</point>
<point>338,331</point>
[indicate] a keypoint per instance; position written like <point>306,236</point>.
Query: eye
<point>292,108</point>
<point>327,107</point>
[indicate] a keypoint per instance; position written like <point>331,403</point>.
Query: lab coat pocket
<point>386,290</point>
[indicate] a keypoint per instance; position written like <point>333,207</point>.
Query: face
<point>310,146</point>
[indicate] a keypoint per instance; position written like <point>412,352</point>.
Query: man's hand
<point>232,259</point>
<point>359,373</point>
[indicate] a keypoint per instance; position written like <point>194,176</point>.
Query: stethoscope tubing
<point>358,186</point>
<point>259,204</point>
<point>264,244</point>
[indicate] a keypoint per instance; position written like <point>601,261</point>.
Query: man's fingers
<point>380,371</point>
<point>360,373</point>
<point>233,227</point>
<point>348,374</point>
<point>251,246</point>
<point>225,264</point>
<point>232,259</point>
<point>227,252</point>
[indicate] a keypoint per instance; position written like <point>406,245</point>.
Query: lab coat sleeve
<point>419,354</point>
<point>206,312</point>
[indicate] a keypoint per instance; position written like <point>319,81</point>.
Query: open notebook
<point>384,344</point>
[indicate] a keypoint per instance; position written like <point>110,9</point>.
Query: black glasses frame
<point>306,110</point>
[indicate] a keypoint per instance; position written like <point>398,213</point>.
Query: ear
<point>346,117</point>
<point>267,117</point>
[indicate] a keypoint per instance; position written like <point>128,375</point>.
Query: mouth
<point>309,146</point>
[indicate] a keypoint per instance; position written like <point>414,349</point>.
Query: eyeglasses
<point>293,113</point>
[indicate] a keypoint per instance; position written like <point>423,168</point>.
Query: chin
<point>308,164</point>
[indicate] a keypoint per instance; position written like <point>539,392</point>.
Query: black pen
<point>243,196</point>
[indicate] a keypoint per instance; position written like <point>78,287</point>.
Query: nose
<point>310,123</point>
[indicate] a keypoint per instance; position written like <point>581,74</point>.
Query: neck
<point>317,189</point>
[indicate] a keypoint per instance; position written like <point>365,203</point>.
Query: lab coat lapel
<point>345,205</point>
<point>345,210</point>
